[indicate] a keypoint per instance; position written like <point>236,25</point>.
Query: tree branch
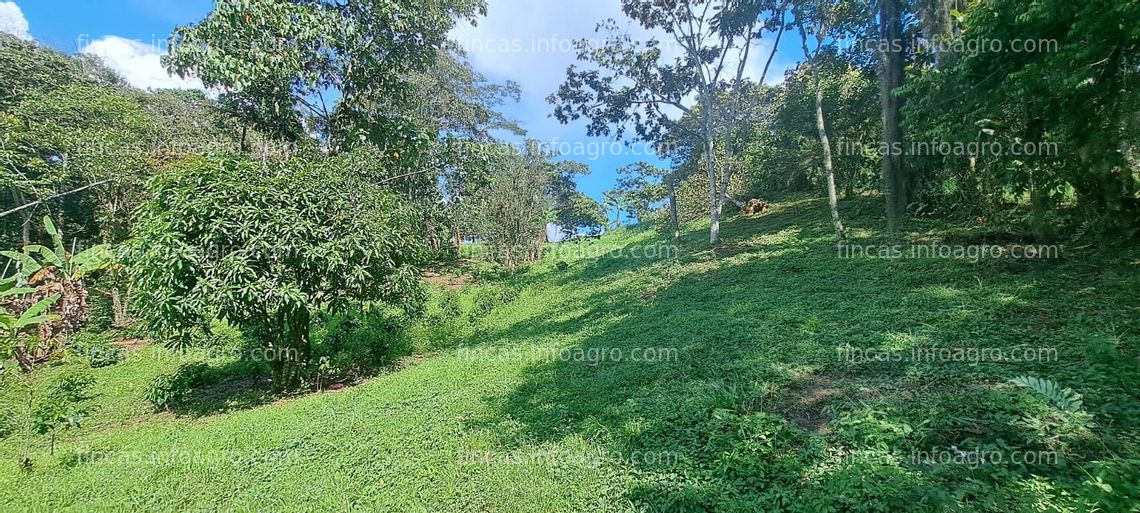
<point>49,198</point>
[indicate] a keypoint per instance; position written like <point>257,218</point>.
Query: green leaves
<point>56,239</point>
<point>31,317</point>
<point>1063,398</point>
<point>75,267</point>
<point>63,406</point>
<point>90,260</point>
<point>1052,88</point>
<point>513,211</point>
<point>273,55</point>
<point>243,240</point>
<point>27,265</point>
<point>50,257</point>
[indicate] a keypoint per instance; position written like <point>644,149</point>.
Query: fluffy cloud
<point>12,20</point>
<point>139,63</point>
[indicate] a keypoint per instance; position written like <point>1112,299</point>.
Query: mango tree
<point>264,246</point>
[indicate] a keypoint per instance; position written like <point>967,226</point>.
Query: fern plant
<point>1064,399</point>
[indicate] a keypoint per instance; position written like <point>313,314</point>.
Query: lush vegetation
<point>903,278</point>
<point>1009,110</point>
<point>516,409</point>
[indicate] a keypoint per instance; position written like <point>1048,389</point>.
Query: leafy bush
<point>168,389</point>
<point>872,429</point>
<point>871,486</point>
<point>62,407</point>
<point>351,345</point>
<point>265,246</point>
<point>449,307</point>
<point>757,449</point>
<point>489,297</point>
<point>1065,424</point>
<point>1063,398</point>
<point>446,322</point>
<point>97,348</point>
<point>1112,485</point>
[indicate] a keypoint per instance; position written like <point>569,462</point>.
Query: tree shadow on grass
<point>233,386</point>
<point>748,410</point>
<point>347,348</point>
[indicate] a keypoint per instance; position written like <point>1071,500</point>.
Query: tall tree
<point>291,67</point>
<point>511,213</point>
<point>631,83</point>
<point>893,49</point>
<point>827,21</point>
<point>619,201</point>
<point>645,185</point>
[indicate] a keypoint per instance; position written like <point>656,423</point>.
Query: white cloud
<point>137,62</point>
<point>12,20</point>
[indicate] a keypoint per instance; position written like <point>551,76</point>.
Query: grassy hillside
<point>624,374</point>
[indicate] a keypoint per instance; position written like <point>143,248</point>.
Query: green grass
<point>517,404</point>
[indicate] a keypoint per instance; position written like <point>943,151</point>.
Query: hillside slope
<point>626,374</point>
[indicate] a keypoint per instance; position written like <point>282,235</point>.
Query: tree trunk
<point>116,308</point>
<point>714,195</point>
<point>832,196</point>
<point>828,165</point>
<point>121,307</point>
<point>892,68</point>
<point>673,210</point>
<point>1038,196</point>
<point>290,353</point>
<point>1036,208</point>
<point>25,234</point>
<point>25,219</point>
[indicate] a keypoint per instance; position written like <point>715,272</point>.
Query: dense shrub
<point>96,348</point>
<point>449,307</point>
<point>168,389</point>
<point>446,322</point>
<point>489,297</point>
<point>266,246</point>
<point>353,345</point>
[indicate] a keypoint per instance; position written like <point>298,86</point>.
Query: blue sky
<point>527,41</point>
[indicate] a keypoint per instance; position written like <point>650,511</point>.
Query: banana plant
<point>46,278</point>
<point>73,265</point>
<point>11,325</point>
<point>33,316</point>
